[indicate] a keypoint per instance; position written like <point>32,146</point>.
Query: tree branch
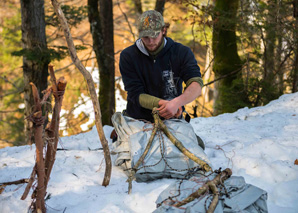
<point>91,89</point>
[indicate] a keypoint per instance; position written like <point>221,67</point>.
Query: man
<point>153,70</point>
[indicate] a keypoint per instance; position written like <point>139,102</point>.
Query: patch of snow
<point>259,144</point>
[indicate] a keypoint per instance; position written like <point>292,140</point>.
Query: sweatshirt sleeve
<point>131,80</point>
<point>199,80</point>
<point>148,101</point>
<point>188,64</point>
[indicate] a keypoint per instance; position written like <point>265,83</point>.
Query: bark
<point>231,95</point>
<point>270,88</point>
<point>43,167</point>
<point>34,40</point>
<point>30,182</point>
<point>26,180</point>
<point>270,38</point>
<point>206,91</point>
<point>160,6</point>
<point>91,89</point>
<point>52,131</point>
<point>295,71</point>
<point>100,15</point>
<point>138,6</point>
<point>38,122</point>
<point>210,185</point>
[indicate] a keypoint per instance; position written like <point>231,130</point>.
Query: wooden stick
<point>30,182</point>
<point>91,89</point>
<point>25,180</point>
<point>52,131</point>
<point>214,190</point>
<point>38,122</point>
<point>178,144</point>
<point>212,185</point>
<point>136,166</point>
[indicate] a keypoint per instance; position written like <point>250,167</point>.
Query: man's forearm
<point>189,95</point>
<point>169,109</point>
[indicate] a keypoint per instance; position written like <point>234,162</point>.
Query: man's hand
<point>169,109</point>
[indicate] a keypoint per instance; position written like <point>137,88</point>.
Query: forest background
<point>246,49</point>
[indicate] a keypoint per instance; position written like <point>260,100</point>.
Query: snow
<point>84,104</point>
<point>259,144</point>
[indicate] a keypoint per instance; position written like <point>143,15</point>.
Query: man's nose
<point>151,40</point>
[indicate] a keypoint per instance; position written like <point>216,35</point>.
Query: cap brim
<point>149,33</point>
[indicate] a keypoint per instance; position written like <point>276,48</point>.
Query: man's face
<point>152,44</point>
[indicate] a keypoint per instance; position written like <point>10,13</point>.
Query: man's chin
<point>152,49</point>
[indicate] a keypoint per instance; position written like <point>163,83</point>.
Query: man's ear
<point>164,31</point>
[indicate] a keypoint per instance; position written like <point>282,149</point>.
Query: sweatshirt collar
<point>142,48</point>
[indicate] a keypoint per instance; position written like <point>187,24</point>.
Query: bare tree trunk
<point>91,89</point>
<point>34,40</point>
<point>138,6</point>
<point>270,87</point>
<point>279,51</point>
<point>231,95</point>
<point>207,75</point>
<point>107,63</point>
<point>270,38</point>
<point>100,13</point>
<point>295,71</point>
<point>160,6</point>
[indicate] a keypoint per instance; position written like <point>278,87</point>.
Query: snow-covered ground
<point>260,144</point>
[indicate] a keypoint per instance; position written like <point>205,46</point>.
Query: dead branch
<point>223,76</point>
<point>52,130</point>
<point>30,182</point>
<point>136,166</point>
<point>25,180</point>
<point>91,89</point>
<point>209,185</point>
<point>178,144</point>
<point>43,166</point>
<point>126,19</point>
<point>46,95</point>
<point>38,122</point>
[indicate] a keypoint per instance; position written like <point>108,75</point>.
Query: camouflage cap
<point>150,24</point>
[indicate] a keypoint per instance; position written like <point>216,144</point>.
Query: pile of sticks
<point>44,164</point>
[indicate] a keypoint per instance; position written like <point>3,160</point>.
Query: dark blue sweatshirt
<point>161,76</point>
